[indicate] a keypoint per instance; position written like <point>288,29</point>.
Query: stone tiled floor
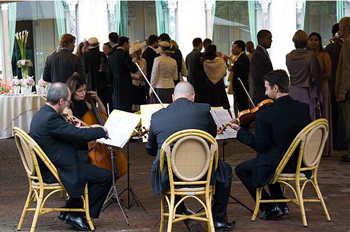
<point>334,180</point>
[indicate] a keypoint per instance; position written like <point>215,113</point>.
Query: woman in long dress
<point>215,69</point>
<point>305,74</point>
<point>315,45</point>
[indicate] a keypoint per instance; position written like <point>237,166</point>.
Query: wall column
<point>208,19</point>
<point>6,72</point>
<point>172,5</point>
<point>265,12</point>
<point>72,16</point>
<point>111,13</point>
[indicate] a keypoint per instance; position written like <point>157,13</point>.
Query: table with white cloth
<point>18,110</point>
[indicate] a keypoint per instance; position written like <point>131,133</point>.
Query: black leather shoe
<point>224,226</point>
<point>62,215</point>
<point>79,222</point>
<point>272,213</point>
<point>285,210</point>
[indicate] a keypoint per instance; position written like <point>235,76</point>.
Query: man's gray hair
<point>184,89</point>
<point>345,21</point>
<point>57,91</point>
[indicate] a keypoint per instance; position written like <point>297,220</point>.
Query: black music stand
<point>128,189</point>
<point>113,193</point>
<point>224,143</point>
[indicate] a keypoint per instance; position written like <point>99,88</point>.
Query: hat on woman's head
<point>165,46</point>
<point>135,46</point>
<point>93,42</point>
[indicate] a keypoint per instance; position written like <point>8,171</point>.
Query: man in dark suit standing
<point>120,66</point>
<point>240,70</point>
<point>62,64</point>
<point>57,138</point>
<point>261,64</point>
<point>183,114</point>
<point>196,74</point>
<point>275,129</point>
<point>149,55</point>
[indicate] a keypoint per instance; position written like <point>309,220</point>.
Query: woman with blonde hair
<point>305,74</point>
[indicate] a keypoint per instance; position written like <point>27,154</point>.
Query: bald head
<point>184,90</point>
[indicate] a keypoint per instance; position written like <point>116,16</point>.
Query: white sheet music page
<point>221,117</point>
<point>120,126</point>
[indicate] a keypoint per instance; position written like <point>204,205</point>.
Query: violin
<point>247,117</point>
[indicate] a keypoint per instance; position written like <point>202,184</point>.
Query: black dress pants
<point>99,182</point>
<point>244,173</point>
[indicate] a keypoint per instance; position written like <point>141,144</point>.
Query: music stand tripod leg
<point>113,193</point>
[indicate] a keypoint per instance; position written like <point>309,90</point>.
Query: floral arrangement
<point>15,81</point>
<point>22,38</point>
<point>24,64</point>
<point>5,88</point>
<point>28,82</point>
<point>42,83</point>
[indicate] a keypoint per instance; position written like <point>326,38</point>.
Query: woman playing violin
<point>79,104</point>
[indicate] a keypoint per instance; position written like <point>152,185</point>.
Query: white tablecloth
<point>17,110</point>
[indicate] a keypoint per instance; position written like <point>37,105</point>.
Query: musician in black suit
<point>261,64</point>
<point>62,64</point>
<point>183,114</point>
<point>57,138</point>
<point>120,66</point>
<point>196,74</point>
<point>275,129</point>
<point>149,55</point>
<point>240,70</point>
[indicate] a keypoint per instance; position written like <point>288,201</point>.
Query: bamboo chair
<point>191,160</point>
<point>311,140</point>
<point>29,151</point>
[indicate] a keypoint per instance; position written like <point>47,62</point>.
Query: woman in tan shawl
<point>215,69</point>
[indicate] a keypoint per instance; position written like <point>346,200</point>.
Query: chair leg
<point>301,203</point>
<point>37,210</point>
<point>87,208</point>
<point>257,203</point>
<point>162,210</point>
<point>26,206</point>
<point>171,212</point>
<point>210,224</point>
<point>319,195</point>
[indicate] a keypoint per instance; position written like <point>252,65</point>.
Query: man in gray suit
<point>62,64</point>
<point>261,64</point>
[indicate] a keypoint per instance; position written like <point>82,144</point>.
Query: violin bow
<point>246,92</point>
<point>154,92</point>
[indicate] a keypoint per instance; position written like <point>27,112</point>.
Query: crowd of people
<point>122,77</point>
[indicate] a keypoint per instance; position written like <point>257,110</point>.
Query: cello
<point>100,153</point>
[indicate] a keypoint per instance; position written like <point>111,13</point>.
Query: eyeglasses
<point>68,101</point>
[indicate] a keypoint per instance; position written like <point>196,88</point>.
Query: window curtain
<point>60,18</point>
<point>117,17</point>
<point>213,18</point>
<point>161,15</point>
<point>12,26</point>
<point>252,21</point>
<point>340,10</point>
<point>123,18</point>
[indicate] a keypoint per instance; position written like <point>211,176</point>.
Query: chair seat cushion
<point>292,175</point>
<point>37,185</point>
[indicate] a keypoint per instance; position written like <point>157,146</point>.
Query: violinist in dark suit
<point>62,64</point>
<point>57,138</point>
<point>240,70</point>
<point>261,64</point>
<point>183,114</point>
<point>196,74</point>
<point>275,129</point>
<point>149,55</point>
<point>120,66</point>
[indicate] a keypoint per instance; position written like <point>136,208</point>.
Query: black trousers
<point>99,182</point>
<point>244,173</point>
<point>242,98</point>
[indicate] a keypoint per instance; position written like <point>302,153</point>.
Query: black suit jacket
<point>119,68</point>
<point>260,66</point>
<point>196,74</point>
<point>96,78</point>
<point>61,65</point>
<point>177,55</point>
<point>56,138</point>
<point>180,115</point>
<point>241,70</point>
<point>275,129</point>
<point>149,55</point>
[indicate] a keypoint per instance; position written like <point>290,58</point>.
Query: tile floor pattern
<point>334,181</point>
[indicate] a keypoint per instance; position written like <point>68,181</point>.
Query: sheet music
<point>146,115</point>
<point>221,117</point>
<point>120,126</point>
